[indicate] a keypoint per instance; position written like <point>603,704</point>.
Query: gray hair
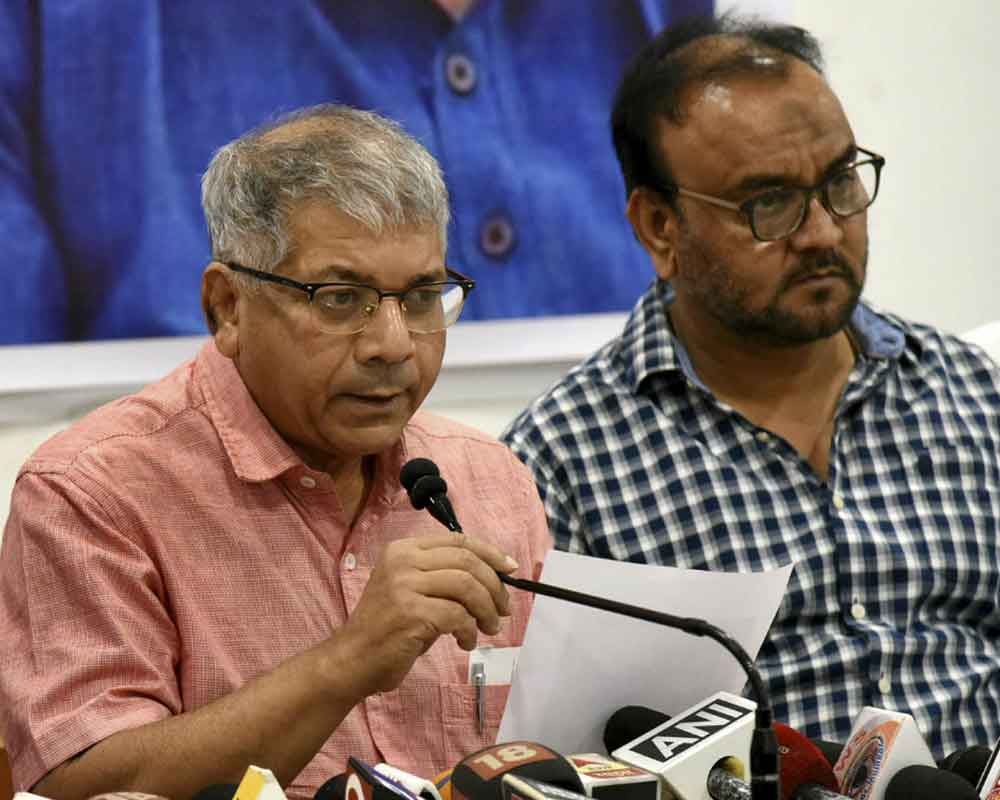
<point>364,165</point>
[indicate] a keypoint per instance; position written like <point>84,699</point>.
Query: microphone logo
<point>684,732</point>
<point>490,762</point>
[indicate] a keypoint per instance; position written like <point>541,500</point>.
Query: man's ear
<point>219,302</point>
<point>656,225</point>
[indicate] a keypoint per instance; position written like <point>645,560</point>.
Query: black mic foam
<point>415,469</point>
<point>968,762</point>
<point>217,791</point>
<point>334,789</point>
<point>427,489</point>
<point>629,723</point>
<point>921,782</point>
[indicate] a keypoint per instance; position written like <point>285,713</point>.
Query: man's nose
<point>386,336</point>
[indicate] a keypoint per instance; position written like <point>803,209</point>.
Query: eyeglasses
<point>346,308</point>
<point>778,213</point>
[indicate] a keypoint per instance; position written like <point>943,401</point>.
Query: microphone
<point>688,751</point>
<point>259,783</point>
<point>989,784</point>
<point>442,782</point>
<point>427,489</point>
<point>880,745</point>
<point>217,791</point>
<point>969,762</point>
<point>764,744</point>
<point>922,782</point>
<point>419,786</point>
<point>806,773</point>
<point>606,779</point>
<point>479,776</point>
<point>518,787</point>
<point>361,781</point>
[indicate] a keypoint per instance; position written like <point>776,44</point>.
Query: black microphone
<point>969,762</point>
<point>427,489</point>
<point>628,723</point>
<point>921,782</point>
<point>764,744</point>
<point>334,789</point>
<point>217,791</point>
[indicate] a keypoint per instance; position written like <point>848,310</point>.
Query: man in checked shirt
<point>755,412</point>
<point>223,569</point>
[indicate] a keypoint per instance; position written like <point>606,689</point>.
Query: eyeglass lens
<point>778,213</point>
<point>426,308</point>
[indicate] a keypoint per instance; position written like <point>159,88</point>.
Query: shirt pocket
<point>459,724</point>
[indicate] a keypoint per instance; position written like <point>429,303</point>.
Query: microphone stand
<point>764,758</point>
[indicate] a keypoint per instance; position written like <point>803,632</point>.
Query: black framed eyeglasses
<point>346,308</point>
<point>777,213</point>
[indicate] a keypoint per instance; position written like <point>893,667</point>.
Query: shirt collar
<point>255,449</point>
<point>648,345</point>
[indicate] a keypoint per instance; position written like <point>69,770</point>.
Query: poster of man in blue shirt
<point>109,111</point>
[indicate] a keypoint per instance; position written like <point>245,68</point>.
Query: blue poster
<point>110,112</point>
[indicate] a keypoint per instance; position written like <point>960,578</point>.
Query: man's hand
<point>420,589</point>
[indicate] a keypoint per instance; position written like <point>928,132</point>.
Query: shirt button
<point>308,482</point>
<point>838,502</point>
<point>763,437</point>
<point>460,73</point>
<point>350,561</point>
<point>884,684</point>
<point>858,611</point>
<point>496,237</point>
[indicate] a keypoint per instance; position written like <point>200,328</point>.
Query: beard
<point>826,310</point>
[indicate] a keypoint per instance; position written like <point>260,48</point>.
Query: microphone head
<point>217,791</point>
<point>414,469</point>
<point>830,750</point>
<point>801,762</point>
<point>969,762</point>
<point>921,782</point>
<point>425,489</point>
<point>334,789</point>
<point>479,776</point>
<point>629,723</point>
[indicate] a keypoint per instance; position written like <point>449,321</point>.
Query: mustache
<point>829,262</point>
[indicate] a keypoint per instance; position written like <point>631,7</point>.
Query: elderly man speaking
<point>223,569</point>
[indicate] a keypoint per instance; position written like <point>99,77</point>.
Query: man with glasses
<point>755,412</point>
<point>223,569</point>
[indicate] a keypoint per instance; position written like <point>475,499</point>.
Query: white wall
<point>916,78</point>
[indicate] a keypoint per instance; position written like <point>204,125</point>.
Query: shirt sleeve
<point>89,645</point>
<point>33,308</point>
<point>528,440</point>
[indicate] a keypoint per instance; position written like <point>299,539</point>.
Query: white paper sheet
<point>579,665</point>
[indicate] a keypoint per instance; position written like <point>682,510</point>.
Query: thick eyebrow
<point>342,274</point>
<point>771,181</point>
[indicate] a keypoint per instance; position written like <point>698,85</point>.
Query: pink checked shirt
<point>171,546</point>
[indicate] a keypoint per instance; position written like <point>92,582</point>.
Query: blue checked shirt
<point>894,598</point>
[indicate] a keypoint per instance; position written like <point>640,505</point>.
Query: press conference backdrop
<point>916,78</point>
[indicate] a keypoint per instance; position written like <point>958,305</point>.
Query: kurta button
<point>858,611</point>
<point>496,237</point>
<point>350,561</point>
<point>460,73</point>
<point>308,482</point>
